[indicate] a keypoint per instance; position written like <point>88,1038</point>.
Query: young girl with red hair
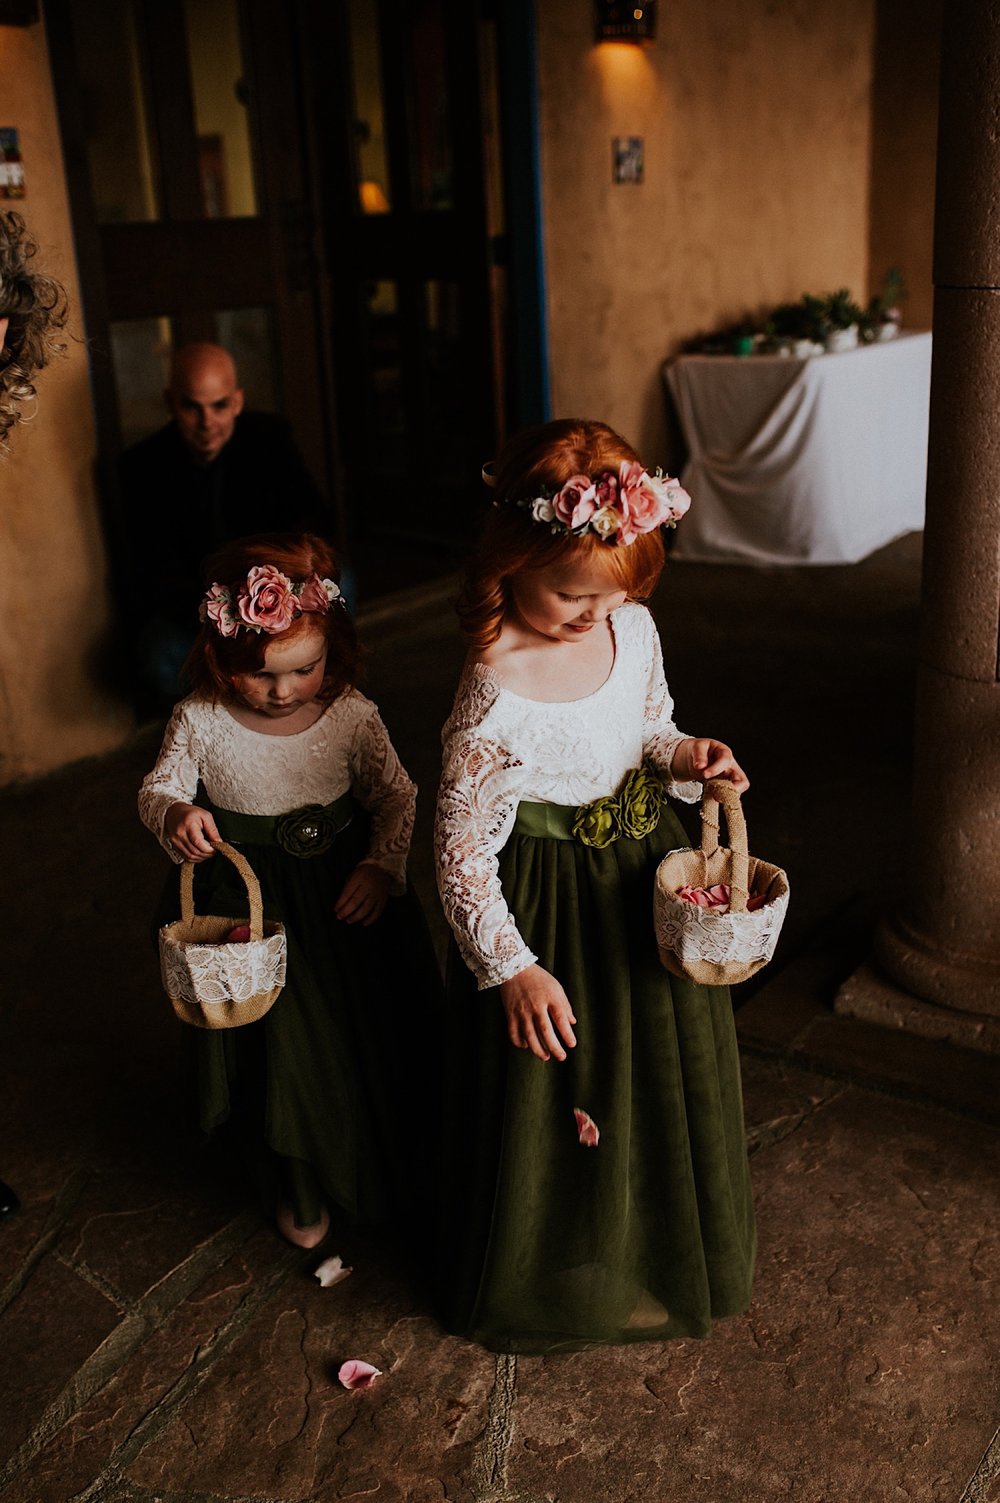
<point>595,1178</point>
<point>299,773</point>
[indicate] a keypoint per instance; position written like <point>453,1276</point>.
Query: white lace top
<point>501,748</point>
<point>346,749</point>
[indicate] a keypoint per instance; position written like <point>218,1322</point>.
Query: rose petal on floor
<point>586,1128</point>
<point>357,1374</point>
<point>331,1271</point>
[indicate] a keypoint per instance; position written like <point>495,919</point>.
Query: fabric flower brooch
<point>633,812</point>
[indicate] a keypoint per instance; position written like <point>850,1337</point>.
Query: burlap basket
<point>216,985</point>
<point>704,944</point>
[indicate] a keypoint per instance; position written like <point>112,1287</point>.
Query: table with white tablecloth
<point>820,460</point>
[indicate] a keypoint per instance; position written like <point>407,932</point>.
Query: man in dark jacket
<point>215,472</point>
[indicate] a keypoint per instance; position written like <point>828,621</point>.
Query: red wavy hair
<point>543,459</point>
<point>215,662</point>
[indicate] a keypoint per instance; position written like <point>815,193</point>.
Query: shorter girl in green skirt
<point>299,773</point>
<point>595,1174</point>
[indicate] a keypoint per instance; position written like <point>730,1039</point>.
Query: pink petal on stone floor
<point>332,1271</point>
<point>587,1129</point>
<point>355,1374</point>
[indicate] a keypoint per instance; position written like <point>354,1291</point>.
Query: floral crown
<point>267,601</point>
<point>617,507</point>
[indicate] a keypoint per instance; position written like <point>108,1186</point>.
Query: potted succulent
<point>844,319</point>
<point>813,326</point>
<point>786,331</point>
<point>795,329</point>
<point>883,316</point>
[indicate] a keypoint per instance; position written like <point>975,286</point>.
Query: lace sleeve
<point>173,780</point>
<point>476,807</point>
<point>383,787</point>
<point>660,736</point>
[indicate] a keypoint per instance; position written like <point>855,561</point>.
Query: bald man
<point>215,472</point>
<point>204,398</point>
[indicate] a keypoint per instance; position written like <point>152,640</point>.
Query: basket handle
<point>250,882</point>
<point>721,791</point>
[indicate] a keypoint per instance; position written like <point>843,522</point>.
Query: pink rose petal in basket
<point>356,1374</point>
<point>587,1129</point>
<point>717,897</point>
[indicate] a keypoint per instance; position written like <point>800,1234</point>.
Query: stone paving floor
<point>160,1344</point>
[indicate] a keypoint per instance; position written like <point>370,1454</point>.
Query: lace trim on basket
<point>206,974</point>
<point>700,934</point>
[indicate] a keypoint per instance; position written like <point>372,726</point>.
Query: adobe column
<point>941,949</point>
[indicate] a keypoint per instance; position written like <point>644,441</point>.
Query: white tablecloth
<point>802,461</point>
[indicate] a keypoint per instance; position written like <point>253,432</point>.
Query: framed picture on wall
<point>626,159</point>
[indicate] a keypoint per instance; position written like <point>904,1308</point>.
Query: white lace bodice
<point>500,749</point>
<point>346,749</point>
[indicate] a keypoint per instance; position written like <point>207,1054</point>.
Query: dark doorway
<point>320,188</point>
<point>415,223</point>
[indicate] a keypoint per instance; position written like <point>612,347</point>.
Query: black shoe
<point>9,1202</point>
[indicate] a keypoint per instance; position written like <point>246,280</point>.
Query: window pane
<point>140,353</point>
<point>248,335</point>
<point>225,157</point>
<point>387,413</point>
<point>419,417</point>
<point>115,124</point>
<point>371,162</point>
<point>433,186</point>
<point>447,419</point>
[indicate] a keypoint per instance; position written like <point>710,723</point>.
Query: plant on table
<point>883,316</point>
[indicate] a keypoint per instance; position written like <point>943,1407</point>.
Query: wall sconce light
<point>626,21</point>
<point>18,12</point>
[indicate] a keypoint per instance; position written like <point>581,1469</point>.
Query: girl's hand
<point>699,758</point>
<point>191,831</point>
<point>539,1016</point>
<point>364,895</point>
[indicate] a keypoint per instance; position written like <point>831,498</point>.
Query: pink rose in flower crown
<point>606,486</point>
<point>576,502</point>
<point>643,505</point>
<point>673,495</point>
<point>318,594</point>
<point>648,501</point>
<point>266,602</point>
<point>218,608</point>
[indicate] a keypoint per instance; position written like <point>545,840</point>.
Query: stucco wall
<point>756,121</point>
<point>904,150</point>
<point>53,704</point>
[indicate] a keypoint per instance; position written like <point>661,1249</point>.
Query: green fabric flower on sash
<point>634,811</point>
<point>599,823</point>
<point>641,797</point>
<point>309,831</point>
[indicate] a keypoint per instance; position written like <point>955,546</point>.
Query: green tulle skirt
<point>550,1245</point>
<point>324,1090</point>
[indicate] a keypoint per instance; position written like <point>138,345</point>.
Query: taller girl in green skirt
<point>595,1173</point>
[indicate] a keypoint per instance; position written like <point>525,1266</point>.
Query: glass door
<point>187,163</point>
<point>413,219</point>
<point>319,188</point>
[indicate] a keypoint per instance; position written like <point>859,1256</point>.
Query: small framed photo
<point>626,159</point>
<point>11,167</point>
